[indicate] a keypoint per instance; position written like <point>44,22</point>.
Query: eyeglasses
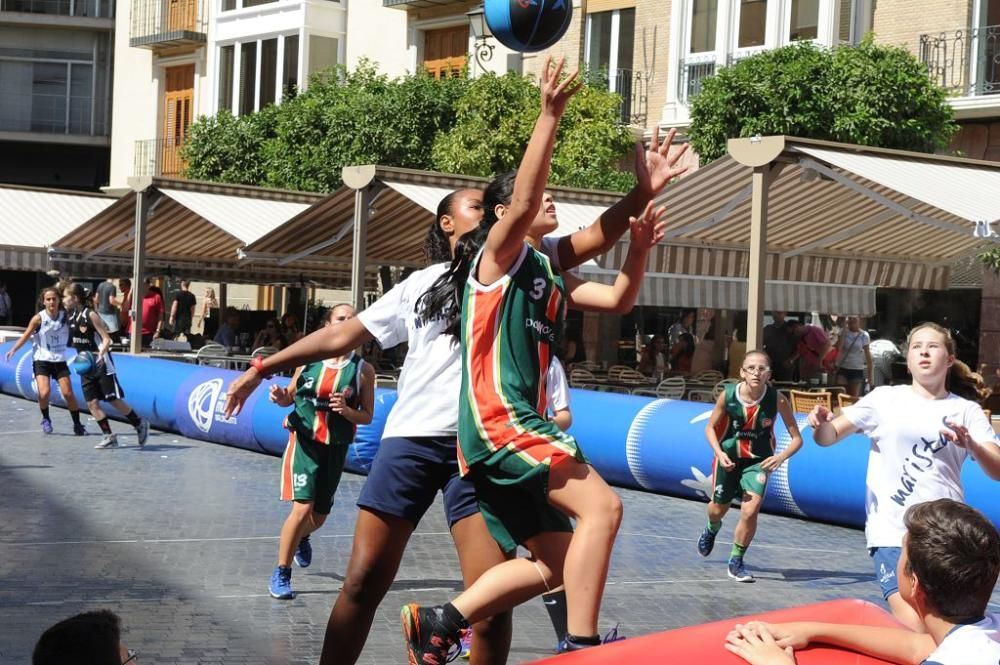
<point>759,369</point>
<point>132,656</point>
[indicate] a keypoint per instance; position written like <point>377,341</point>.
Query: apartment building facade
<point>179,59</point>
<point>55,82</point>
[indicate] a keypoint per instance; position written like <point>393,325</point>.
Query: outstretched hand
<point>556,93</point>
<point>819,415</point>
<point>957,433</point>
<point>656,167</point>
<point>648,229</point>
<point>239,390</point>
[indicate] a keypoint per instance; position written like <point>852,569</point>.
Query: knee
<point>607,511</point>
<point>316,520</point>
<point>749,512</point>
<point>366,583</point>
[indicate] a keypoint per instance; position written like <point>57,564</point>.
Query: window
<point>248,77</point>
<point>753,23</point>
<point>610,40</point>
<point>804,20</point>
<point>290,75</point>
<point>226,77</point>
<point>704,16</point>
<point>322,53</point>
<point>48,97</point>
<point>446,51</point>
<point>268,71</point>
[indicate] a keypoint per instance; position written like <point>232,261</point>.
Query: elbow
<point>623,307</point>
<point>365,419</point>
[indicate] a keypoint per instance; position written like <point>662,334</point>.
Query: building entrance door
<point>178,102</point>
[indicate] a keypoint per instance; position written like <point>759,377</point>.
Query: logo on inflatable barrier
<point>202,403</point>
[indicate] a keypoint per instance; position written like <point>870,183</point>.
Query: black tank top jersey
<point>82,335</point>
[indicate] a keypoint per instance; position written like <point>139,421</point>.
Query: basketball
<point>528,25</point>
<point>82,363</point>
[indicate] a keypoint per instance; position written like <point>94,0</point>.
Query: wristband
<point>258,364</point>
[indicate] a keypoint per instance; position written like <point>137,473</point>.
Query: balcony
<point>417,4</point>
<point>633,87</point>
<point>160,24</point>
<point>159,158</point>
<point>964,62</point>
<point>692,73</point>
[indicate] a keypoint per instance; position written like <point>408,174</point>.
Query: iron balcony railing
<point>691,76</point>
<point>964,62</point>
<point>631,85</point>
<point>161,23</point>
<point>159,158</point>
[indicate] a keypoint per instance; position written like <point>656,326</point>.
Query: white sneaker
<point>142,431</point>
<point>109,441</point>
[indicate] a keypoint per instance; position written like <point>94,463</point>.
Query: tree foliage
<point>867,94</point>
<point>494,120</point>
<point>473,127</point>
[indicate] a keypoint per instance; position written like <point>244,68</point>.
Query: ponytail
<point>443,299</point>
<point>965,383</point>
<point>436,245</point>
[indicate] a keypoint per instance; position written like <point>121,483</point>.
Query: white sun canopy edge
<point>242,217</point>
<point>943,185</point>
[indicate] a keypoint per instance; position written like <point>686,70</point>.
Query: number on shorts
<point>300,480</point>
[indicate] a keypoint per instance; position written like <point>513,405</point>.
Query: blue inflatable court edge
<point>635,442</point>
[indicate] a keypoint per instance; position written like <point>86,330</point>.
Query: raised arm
<point>503,244</point>
<point>36,321</point>
<point>327,342</point>
<point>654,169</point>
<point>619,298</point>
<point>827,429</point>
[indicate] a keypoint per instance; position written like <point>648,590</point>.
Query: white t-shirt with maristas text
<point>910,461</point>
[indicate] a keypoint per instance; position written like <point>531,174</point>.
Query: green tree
<point>494,119</point>
<point>226,148</point>
<point>867,94</point>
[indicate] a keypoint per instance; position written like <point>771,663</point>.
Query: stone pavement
<point>180,539</point>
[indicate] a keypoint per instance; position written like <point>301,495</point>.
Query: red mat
<point>702,644</point>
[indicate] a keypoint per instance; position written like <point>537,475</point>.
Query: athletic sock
<point>133,419</point>
<point>453,619</point>
<point>555,605</point>
<point>45,413</point>
<point>587,641</point>
<point>714,526</point>
<point>738,550</point>
<point>75,415</point>
<point>104,425</point>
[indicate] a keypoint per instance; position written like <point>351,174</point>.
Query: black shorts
<point>51,369</point>
<point>852,375</point>
<point>407,474</point>
<point>102,387</point>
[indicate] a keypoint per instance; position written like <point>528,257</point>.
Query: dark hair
<point>76,290</point>
<point>688,350</point>
<point>91,638</point>
<point>436,244</point>
<point>328,314</point>
<point>443,298</point>
<point>41,296</point>
<point>954,551</point>
<point>757,352</point>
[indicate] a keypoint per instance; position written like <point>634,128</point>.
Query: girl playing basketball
<point>921,434</point>
<point>100,384</point>
<point>49,333</point>
<point>530,477</point>
<point>741,433</point>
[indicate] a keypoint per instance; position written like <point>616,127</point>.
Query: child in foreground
<point>947,570</point>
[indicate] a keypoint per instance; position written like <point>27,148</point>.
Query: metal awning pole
<point>758,255</point>
<point>142,201</point>
<point>362,180</point>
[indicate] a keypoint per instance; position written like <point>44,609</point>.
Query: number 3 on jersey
<point>538,288</point>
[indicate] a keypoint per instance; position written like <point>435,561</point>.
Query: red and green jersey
<point>747,430</point>
<point>311,416</point>
<point>510,330</point>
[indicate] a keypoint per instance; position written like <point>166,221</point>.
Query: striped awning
<point>34,218</point>
<point>676,290</point>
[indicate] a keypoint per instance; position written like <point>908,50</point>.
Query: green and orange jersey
<point>510,330</point>
<point>747,429</point>
<point>311,415</point>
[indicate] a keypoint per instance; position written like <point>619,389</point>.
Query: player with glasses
<point>741,433</point>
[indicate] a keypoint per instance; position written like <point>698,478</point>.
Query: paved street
<point>180,540</point>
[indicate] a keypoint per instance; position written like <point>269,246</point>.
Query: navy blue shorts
<point>407,473</point>
<point>885,560</point>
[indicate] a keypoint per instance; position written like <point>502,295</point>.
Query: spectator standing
<point>182,309</point>
<point>779,346</point>
<point>685,325</point>
<point>208,303</point>
<point>107,308</point>
<point>125,309</point>
<point>6,306</point>
<point>811,346</point>
<point>152,314</point>
<point>854,357</point>
<point>884,354</point>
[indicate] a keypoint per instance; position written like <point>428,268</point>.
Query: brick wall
<point>901,22</point>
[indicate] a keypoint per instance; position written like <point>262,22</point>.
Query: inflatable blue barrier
<point>636,442</point>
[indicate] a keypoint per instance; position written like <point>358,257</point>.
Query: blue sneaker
<point>706,542</point>
<point>281,583</point>
<point>566,645</point>
<point>46,425</point>
<point>304,553</point>
<point>738,571</point>
<point>613,635</point>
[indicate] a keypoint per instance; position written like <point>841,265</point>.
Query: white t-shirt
<point>428,388</point>
<point>854,349</point>
<point>909,461</point>
<point>556,389</point>
<point>971,644</point>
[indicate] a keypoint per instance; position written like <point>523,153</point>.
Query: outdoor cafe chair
<point>670,388</point>
<point>615,372</point>
<point>588,365</point>
<point>803,402</point>
<point>629,375</point>
<point>721,386</point>
<point>708,376</point>
<point>264,351</point>
<point>843,399</point>
<point>581,378</point>
<point>213,355</point>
